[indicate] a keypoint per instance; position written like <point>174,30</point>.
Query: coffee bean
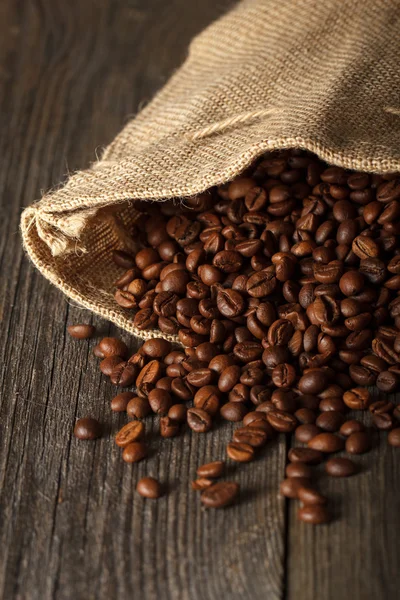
<point>326,442</point>
<point>358,443</point>
<point>352,426</point>
<point>202,483</point>
<point>113,347</point>
<point>233,411</point>
<point>199,420</point>
<point>330,421</point>
<point>168,427</point>
<point>340,467</point>
<point>282,421</point>
<point>156,347</point>
<point>148,487</point>
<point>138,408</point>
<point>311,497</point>
<point>313,382</point>
<point>120,402</point>
<point>200,377</point>
<point>357,398</point>
<point>108,364</point>
<point>150,373</point>
<point>314,514</point>
<point>365,247</point>
<point>387,381</point>
<point>160,401</point>
<point>124,374</point>
<point>240,452</point>
<point>261,284</point>
<point>132,432</point>
<point>305,433</point>
<point>220,494</point>
<point>134,452</point>
<point>87,428</point>
<point>211,470</point>
<point>177,413</point>
<point>305,455</point>
<point>298,469</point>
<point>229,378</point>
<point>394,438</point>
<point>254,435</point>
<point>81,331</point>
<point>290,487</point>
<point>183,389</point>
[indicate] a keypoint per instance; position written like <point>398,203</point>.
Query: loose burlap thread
<point>271,74</point>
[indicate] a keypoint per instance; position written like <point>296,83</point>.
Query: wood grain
<point>72,526</point>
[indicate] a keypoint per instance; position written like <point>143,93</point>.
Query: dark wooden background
<point>71,74</point>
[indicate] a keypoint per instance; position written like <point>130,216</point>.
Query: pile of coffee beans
<point>282,288</point>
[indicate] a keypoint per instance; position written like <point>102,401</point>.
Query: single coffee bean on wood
<point>314,514</point>
<point>340,467</point>
<point>220,494</point>
<point>211,470</point>
<point>148,487</point>
<point>81,331</point>
<point>87,428</point>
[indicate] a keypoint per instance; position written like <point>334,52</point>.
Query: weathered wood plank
<point>72,526</point>
<point>357,555</point>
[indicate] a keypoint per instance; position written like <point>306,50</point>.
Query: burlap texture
<point>320,75</point>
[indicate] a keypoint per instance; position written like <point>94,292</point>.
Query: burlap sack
<point>316,74</point>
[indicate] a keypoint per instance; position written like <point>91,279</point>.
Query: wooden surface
<point>71,73</point>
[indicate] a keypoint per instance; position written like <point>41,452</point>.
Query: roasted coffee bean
<point>282,421</point>
<point>394,437</point>
<point>233,411</point>
<point>207,398</point>
<point>81,331</point>
<point>168,427</point>
<point>357,398</point>
<point>240,452</point>
<point>314,514</point>
<point>311,497</point>
<point>283,375</point>
<point>138,408</point>
<point>387,381</point>
<point>181,388</point>
<point>326,442</point>
<point>253,434</point>
<point>148,487</point>
<point>211,470</point>
<point>124,374</point>
<point>87,428</point>
<point>331,421</point>
<point>261,284</point>
<point>298,469</point>
<point>160,401</point>
<point>304,433</point>
<point>230,303</point>
<point>340,467</point>
<point>220,494</point>
<point>229,378</point>
<point>177,413</point>
<point>202,483</point>
<point>305,455</point>
<point>352,426</point>
<point>358,443</point>
<point>305,416</point>
<point>156,347</point>
<point>108,364</point>
<point>200,377</point>
<point>313,382</point>
<point>199,420</point>
<point>134,452</point>
<point>132,432</point>
<point>290,487</point>
<point>145,318</point>
<point>150,373</point>
<point>119,403</point>
<point>113,347</point>
<point>383,421</point>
